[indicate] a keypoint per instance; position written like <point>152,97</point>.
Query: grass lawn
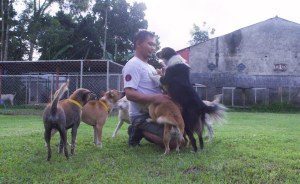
<point>248,148</point>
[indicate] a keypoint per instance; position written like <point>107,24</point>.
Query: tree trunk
<point>31,49</point>
<point>6,43</point>
<point>2,30</point>
<point>5,53</point>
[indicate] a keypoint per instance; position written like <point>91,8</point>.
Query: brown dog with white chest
<point>95,112</point>
<point>169,114</point>
<point>64,114</point>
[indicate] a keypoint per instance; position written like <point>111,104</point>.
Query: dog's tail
<point>219,114</point>
<point>165,120</point>
<point>58,94</point>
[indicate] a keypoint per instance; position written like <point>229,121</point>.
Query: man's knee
<point>153,138</point>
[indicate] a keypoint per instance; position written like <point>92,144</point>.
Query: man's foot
<point>135,136</point>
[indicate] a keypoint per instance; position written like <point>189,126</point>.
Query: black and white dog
<point>176,82</point>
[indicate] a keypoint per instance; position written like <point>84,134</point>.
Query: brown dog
<point>95,112</point>
<point>64,114</point>
<point>168,113</point>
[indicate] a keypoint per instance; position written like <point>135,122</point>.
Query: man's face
<point>147,48</point>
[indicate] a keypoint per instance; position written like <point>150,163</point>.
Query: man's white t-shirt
<point>136,76</point>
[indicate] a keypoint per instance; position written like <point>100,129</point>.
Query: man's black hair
<point>141,36</point>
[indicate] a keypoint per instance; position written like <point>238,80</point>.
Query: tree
<point>56,36</point>
<point>34,14</point>
<point>7,15</point>
<point>200,35</point>
<point>123,21</point>
<point>70,34</point>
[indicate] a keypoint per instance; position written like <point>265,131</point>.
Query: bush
<point>274,107</point>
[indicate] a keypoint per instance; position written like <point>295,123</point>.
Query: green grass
<point>248,148</point>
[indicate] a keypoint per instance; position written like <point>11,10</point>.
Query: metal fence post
<point>81,72</point>
<point>107,75</point>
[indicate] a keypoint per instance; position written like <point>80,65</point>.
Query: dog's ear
<point>93,96</point>
<point>86,95</point>
<point>112,93</point>
<point>102,93</point>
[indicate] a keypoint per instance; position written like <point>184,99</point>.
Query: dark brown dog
<point>95,112</point>
<point>64,114</point>
<point>168,113</point>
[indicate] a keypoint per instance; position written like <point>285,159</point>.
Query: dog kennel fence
<point>35,82</point>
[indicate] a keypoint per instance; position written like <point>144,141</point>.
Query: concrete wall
<point>258,47</point>
<point>266,54</point>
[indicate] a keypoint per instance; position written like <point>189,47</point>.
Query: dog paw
<point>99,145</point>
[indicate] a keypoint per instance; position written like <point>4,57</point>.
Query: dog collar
<point>75,102</point>
<point>104,104</point>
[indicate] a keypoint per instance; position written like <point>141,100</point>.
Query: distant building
<point>262,58</point>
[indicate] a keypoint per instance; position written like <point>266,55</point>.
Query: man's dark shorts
<point>140,122</point>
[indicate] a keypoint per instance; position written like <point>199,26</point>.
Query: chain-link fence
<point>247,97</point>
<point>35,82</point>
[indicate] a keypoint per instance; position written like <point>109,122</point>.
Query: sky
<point>172,20</point>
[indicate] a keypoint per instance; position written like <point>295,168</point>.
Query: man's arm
<point>135,96</point>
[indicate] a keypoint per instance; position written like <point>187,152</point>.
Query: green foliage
<point>248,148</point>
<point>200,35</point>
<point>277,107</point>
<point>79,33</point>
<point>123,21</point>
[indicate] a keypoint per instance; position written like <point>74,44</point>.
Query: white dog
<point>217,117</point>
<point>8,97</point>
<point>123,115</point>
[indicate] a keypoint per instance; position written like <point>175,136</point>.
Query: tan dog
<point>64,114</point>
<point>95,112</point>
<point>168,113</point>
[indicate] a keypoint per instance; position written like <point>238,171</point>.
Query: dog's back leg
<point>120,123</point>
<point>63,142</point>
<point>201,142</point>
<point>167,138</point>
<point>211,131</point>
<point>74,134</point>
<point>47,136</point>
<point>200,130</point>
<point>192,139</point>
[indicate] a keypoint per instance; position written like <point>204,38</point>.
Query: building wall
<point>266,54</point>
